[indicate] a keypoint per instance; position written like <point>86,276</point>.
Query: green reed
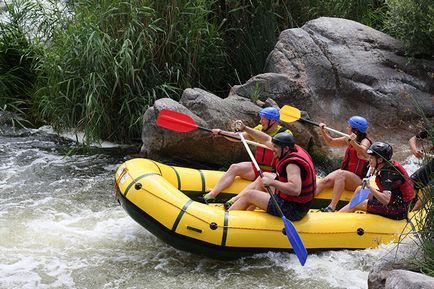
<point>16,69</point>
<point>425,221</point>
<point>368,12</point>
<point>99,64</point>
<point>113,59</point>
<point>412,21</point>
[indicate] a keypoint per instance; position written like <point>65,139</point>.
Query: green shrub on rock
<point>412,21</point>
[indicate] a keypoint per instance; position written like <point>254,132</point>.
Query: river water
<point>61,228</point>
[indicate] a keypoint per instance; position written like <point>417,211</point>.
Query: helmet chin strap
<point>282,155</point>
<point>377,163</point>
<point>268,126</point>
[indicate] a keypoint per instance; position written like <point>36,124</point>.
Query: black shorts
<point>423,176</point>
<point>395,212</point>
<point>293,211</point>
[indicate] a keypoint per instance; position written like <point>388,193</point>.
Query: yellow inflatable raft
<point>162,199</point>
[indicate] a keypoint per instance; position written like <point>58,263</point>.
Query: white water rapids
<point>60,228</point>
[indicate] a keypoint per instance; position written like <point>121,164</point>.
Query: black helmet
<point>381,149</point>
<point>284,139</point>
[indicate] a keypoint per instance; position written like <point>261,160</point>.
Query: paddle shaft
<point>363,192</point>
<point>261,174</point>
<point>290,230</point>
<point>234,137</point>
<point>181,122</point>
<point>327,128</point>
<point>368,174</point>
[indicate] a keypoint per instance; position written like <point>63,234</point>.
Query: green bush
<point>425,221</point>
<point>426,234</point>
<point>368,12</point>
<point>412,21</point>
<point>101,64</point>
<point>16,69</point>
<point>113,59</point>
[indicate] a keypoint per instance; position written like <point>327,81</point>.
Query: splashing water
<point>60,228</point>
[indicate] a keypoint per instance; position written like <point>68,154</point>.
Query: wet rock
<point>338,68</point>
<point>208,111</point>
<point>402,279</point>
<point>397,266</point>
<point>332,69</point>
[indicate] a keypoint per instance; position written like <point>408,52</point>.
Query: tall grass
<point>425,221</point>
<point>251,28</point>
<point>16,69</point>
<point>368,12</point>
<point>115,58</point>
<point>97,65</point>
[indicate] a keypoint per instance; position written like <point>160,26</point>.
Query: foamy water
<point>60,228</point>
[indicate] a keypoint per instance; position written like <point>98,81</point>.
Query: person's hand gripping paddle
<point>363,193</point>
<point>291,233</point>
<point>181,122</point>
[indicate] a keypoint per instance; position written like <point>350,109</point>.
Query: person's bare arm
<point>293,186</point>
<point>413,147</point>
<point>329,140</point>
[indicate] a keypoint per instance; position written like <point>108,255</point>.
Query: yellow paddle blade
<point>289,114</point>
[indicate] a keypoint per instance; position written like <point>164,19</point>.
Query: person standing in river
<point>269,124</point>
<point>395,189</point>
<point>425,174</point>
<point>354,165</point>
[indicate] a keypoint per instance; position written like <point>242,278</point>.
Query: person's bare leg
<point>251,198</point>
<point>255,185</point>
<point>324,183</point>
<point>419,202</point>
<point>243,170</point>
<point>363,206</point>
<point>343,180</point>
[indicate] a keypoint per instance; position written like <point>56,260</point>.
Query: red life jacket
<point>308,175</point>
<point>353,164</point>
<point>405,190</point>
<point>265,157</point>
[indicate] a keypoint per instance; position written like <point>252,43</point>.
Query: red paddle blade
<point>176,121</point>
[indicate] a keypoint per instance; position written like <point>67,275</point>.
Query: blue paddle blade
<point>360,197</point>
<point>295,240</point>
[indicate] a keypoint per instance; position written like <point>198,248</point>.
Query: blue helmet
<point>358,122</point>
<point>270,113</point>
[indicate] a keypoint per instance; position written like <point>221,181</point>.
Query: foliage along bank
<point>96,66</point>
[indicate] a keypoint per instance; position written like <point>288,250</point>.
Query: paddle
<point>290,114</point>
<point>363,193</point>
<point>291,232</point>
<point>181,122</point>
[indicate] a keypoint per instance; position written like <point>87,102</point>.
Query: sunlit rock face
<point>337,68</point>
<point>332,69</point>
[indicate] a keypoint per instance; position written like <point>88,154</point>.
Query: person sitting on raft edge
<point>395,188</point>
<point>293,183</point>
<point>269,124</point>
<point>424,176</point>
<point>355,164</point>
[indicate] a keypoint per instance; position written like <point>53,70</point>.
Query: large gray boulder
<point>397,269</point>
<point>333,69</point>
<point>199,146</point>
<point>403,279</point>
